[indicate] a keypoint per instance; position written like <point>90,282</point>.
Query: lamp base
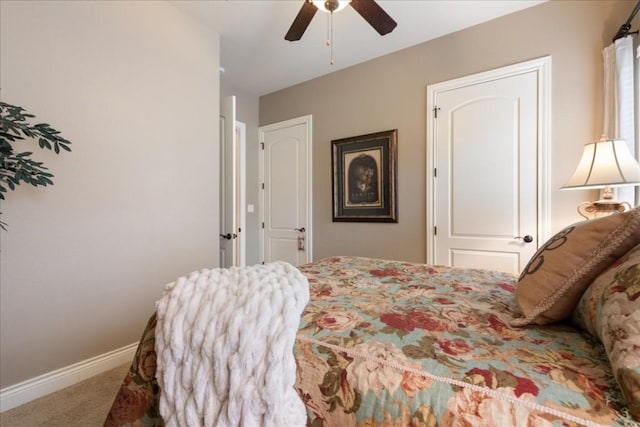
<point>600,208</point>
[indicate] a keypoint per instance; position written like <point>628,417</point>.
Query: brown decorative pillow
<point>555,278</point>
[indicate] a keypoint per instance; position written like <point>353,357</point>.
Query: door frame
<point>233,137</point>
<point>308,122</point>
<point>542,66</point>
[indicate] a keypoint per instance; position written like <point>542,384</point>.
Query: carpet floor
<point>85,404</point>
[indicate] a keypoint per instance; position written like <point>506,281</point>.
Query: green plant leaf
<point>19,167</point>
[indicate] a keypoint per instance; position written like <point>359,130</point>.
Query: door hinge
<point>263,185</point>
<point>435,111</point>
<point>262,145</point>
<point>263,225</point>
<point>435,172</point>
<point>435,231</point>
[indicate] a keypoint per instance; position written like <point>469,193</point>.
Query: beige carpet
<point>85,404</point>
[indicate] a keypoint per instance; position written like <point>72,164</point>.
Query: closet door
<point>286,196</point>
<point>485,184</point>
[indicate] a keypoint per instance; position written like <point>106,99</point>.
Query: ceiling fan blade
<point>374,15</point>
<point>301,22</point>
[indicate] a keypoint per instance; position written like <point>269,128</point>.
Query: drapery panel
<point>619,116</point>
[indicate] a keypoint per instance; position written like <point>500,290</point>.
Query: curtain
<point>619,120</point>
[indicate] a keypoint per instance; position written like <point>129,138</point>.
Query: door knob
<point>301,230</point>
<point>527,239</point>
<point>229,236</point>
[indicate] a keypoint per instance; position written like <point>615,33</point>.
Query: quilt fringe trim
<point>484,390</point>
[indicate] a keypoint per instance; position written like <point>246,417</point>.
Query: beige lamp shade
<point>605,163</point>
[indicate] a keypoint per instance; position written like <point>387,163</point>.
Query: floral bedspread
<point>389,343</point>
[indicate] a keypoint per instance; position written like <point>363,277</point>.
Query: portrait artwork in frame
<point>364,178</point>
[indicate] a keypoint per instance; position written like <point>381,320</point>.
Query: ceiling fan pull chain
<point>330,41</point>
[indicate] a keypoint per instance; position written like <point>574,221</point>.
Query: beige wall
<point>389,93</point>
<point>134,86</point>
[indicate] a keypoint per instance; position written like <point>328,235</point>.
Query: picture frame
<point>364,175</point>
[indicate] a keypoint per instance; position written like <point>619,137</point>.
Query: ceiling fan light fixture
<point>330,6</point>
<point>368,9</point>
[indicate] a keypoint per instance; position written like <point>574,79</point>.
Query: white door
<point>232,194</point>
<point>488,161</point>
<point>285,172</point>
<point>240,202</point>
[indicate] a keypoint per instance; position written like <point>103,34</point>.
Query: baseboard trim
<point>26,391</point>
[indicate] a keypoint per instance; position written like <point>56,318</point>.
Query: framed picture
<point>364,178</point>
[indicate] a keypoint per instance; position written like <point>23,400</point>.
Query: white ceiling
<point>256,57</point>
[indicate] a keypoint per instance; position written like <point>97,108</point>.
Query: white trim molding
<point>26,391</point>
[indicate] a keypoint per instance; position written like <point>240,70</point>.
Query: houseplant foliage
<point>17,167</point>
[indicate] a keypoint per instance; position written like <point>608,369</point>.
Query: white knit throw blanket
<point>224,343</point>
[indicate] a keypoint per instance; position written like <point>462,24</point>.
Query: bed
<point>392,343</point>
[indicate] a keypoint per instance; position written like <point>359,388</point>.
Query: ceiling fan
<point>368,9</point>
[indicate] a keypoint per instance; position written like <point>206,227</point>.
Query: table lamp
<point>604,164</point>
